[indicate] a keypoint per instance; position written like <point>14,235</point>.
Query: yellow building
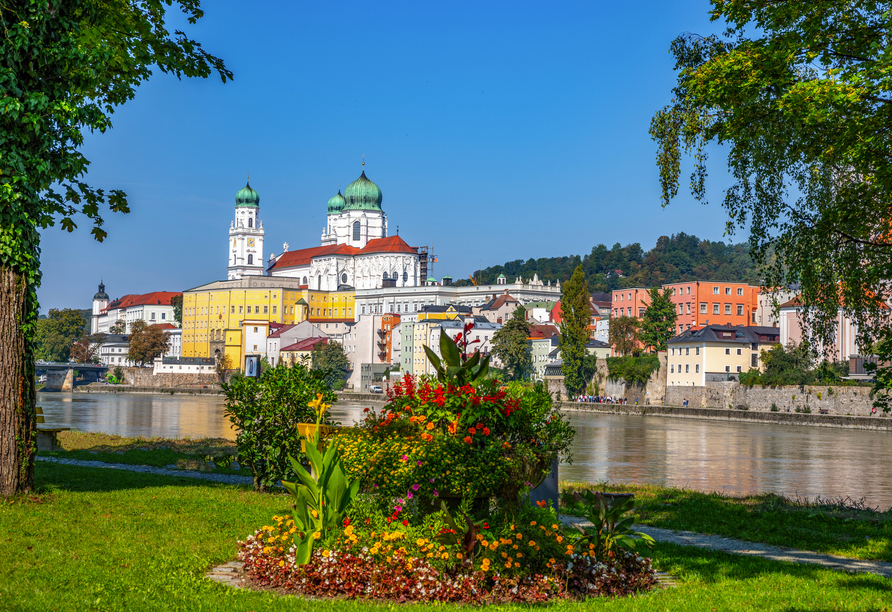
<point>716,352</point>
<point>233,317</point>
<point>449,312</point>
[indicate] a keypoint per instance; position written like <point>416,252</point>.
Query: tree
<point>330,357</point>
<point>65,65</point>
<point>511,345</point>
<point>577,313</point>
<point>177,303</point>
<point>55,335</point>
<point>624,334</point>
<point>802,104</point>
<point>222,365</point>
<point>86,348</point>
<point>658,322</point>
<point>120,327</point>
<point>147,342</point>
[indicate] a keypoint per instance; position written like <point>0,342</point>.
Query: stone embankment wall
<point>652,393</point>
<point>839,401</point>
<point>143,377</point>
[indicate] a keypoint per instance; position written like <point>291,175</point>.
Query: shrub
<point>773,407</point>
<point>266,410</point>
<point>634,370</point>
<point>750,378</point>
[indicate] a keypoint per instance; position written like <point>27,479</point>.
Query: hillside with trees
<point>680,257</point>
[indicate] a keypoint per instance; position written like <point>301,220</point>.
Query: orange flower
<point>429,426</point>
<point>452,426</point>
<point>468,440</point>
<point>427,437</point>
<point>472,431</point>
<point>412,419</point>
<point>421,418</point>
<point>486,431</point>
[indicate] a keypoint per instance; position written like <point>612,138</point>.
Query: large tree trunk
<point>17,393</point>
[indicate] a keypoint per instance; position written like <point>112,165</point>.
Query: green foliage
<point>794,365</point>
<point>634,370</point>
<point>511,346</point>
<point>330,358</point>
<point>624,334</point>
<point>323,495</point>
<point>120,327</point>
<point>457,367</point>
<point>177,303</point>
<point>86,348</point>
<point>680,257</point>
<point>147,342</point>
<point>266,411</point>
<point>613,528</point>
<point>55,335</point>
<point>797,93</point>
<point>574,329</point>
<point>658,323</point>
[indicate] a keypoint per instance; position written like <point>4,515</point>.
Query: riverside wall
<point>822,400</point>
<point>144,377</point>
<point>876,422</point>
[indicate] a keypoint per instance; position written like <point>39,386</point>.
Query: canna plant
<point>456,367</point>
<point>323,495</point>
<point>613,529</point>
<point>462,537</point>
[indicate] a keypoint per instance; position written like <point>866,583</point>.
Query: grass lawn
<point>95,539</point>
<point>829,527</point>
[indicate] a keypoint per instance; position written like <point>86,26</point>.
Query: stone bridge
<point>60,376</point>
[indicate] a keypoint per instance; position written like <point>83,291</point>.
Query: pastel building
<point>715,353</point>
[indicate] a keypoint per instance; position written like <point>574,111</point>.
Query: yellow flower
<point>325,554</point>
<point>281,564</point>
<point>420,541</point>
<point>458,556</point>
<point>519,555</point>
<point>445,555</point>
<point>317,535</point>
<point>552,561</point>
<point>532,543</point>
<point>348,531</point>
<point>554,526</point>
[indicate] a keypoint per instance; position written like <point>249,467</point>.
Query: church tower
<point>246,236</point>
<point>100,301</point>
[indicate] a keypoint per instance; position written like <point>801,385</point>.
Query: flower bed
<point>402,565</point>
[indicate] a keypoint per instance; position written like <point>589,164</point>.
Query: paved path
<point>147,469</point>
<point>740,547</point>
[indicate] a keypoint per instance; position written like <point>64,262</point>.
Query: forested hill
<point>677,258</point>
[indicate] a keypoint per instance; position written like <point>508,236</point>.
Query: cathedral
<point>355,251</point>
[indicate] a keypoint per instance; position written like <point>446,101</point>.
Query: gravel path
<point>146,469</point>
<point>740,547</point>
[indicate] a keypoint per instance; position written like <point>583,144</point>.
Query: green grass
<point>826,527</point>
<point>95,539</point>
<point>185,453</point>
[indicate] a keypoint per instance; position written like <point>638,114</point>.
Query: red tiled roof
<point>302,257</point>
<point>155,298</point>
<point>391,244</point>
<point>500,301</point>
<point>279,330</point>
<point>543,331</point>
<point>307,344</point>
<point>164,326</point>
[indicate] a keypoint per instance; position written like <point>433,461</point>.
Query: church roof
<point>362,194</point>
<point>302,257</point>
<point>307,344</point>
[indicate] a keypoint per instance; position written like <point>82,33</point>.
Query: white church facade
<point>355,250</point>
<point>246,236</point>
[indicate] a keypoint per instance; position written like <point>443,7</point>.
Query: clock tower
<point>246,236</point>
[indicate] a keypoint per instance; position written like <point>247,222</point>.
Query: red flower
<point>468,440</point>
<point>486,431</point>
<point>405,523</point>
<point>472,431</point>
<point>479,425</point>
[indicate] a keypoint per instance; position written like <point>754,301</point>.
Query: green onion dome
<point>247,197</point>
<point>336,203</point>
<point>362,194</point>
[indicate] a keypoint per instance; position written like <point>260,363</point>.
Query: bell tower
<point>246,236</point>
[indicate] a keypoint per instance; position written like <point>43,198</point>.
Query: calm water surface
<point>721,456</point>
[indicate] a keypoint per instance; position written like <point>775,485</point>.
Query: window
<point>687,350</point>
<point>266,310</point>
<point>622,297</point>
<point>641,312</point>
<point>233,310</point>
<point>674,291</point>
<point>255,331</point>
<point>727,368</point>
<point>702,307</point>
<point>696,368</point>
<point>680,328</point>
<point>689,290</point>
<point>689,308</point>
<point>622,312</point>
<point>305,280</point>
<point>715,290</point>
<point>715,309</point>
<point>740,351</point>
<point>250,259</point>
<point>250,222</point>
<point>163,315</point>
<point>727,309</point>
<point>696,350</point>
<point>727,290</point>
<point>630,297</point>
<point>274,309</point>
<point>673,351</point>
<point>152,316</point>
<point>740,310</point>
<point>687,368</point>
<point>672,368</point>
<point>727,351</point>
<point>754,360</point>
<point>356,230</point>
<point>405,277</point>
<point>240,309</point>
<point>740,291</point>
<point>739,369</point>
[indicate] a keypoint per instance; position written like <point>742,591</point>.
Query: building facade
<point>246,236</point>
<point>715,353</point>
<point>152,308</point>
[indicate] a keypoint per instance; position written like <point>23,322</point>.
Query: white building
<point>246,236</point>
<point>355,249</point>
<point>153,308</point>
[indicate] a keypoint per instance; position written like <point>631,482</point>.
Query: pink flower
<point>404,458</point>
<point>410,496</point>
<point>415,487</point>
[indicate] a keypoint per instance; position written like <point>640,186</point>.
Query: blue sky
<point>496,131</point>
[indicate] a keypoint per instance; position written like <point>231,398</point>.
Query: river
<point>709,455</point>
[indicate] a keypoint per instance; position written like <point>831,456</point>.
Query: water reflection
<point>725,456</point>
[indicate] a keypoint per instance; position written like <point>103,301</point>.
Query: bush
<point>750,378</point>
<point>266,411</point>
<point>634,370</point>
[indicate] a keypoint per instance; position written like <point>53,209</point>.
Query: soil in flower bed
<point>403,578</point>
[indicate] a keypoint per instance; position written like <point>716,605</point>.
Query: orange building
<point>385,337</point>
<point>701,303</point>
<point>630,302</point>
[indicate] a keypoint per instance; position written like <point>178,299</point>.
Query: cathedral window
<point>250,222</point>
<point>250,259</point>
<point>356,230</point>
<point>344,279</point>
<point>405,277</point>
